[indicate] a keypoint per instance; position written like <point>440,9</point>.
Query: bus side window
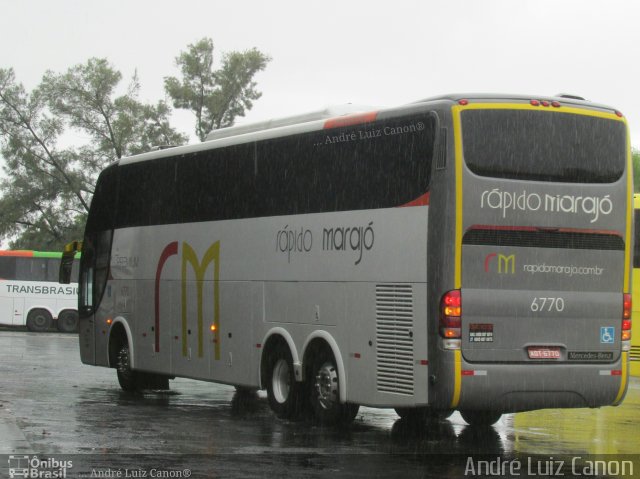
<point>53,270</point>
<point>96,254</point>
<point>31,269</point>
<point>7,267</point>
<point>75,271</point>
<point>86,279</point>
<point>102,260</point>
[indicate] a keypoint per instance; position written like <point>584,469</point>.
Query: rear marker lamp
<point>451,315</point>
<point>626,317</point>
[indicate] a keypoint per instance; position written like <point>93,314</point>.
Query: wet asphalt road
<point>52,406</point>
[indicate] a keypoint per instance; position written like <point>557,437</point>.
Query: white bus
<point>31,295</point>
<point>467,253</point>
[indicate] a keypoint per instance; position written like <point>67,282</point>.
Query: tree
<point>217,97</point>
<point>46,192</point>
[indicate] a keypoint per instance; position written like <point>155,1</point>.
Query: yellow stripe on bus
<point>623,378</point>
<point>628,236</point>
<point>457,134</point>
<point>457,384</point>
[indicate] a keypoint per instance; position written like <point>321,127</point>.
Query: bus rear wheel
<point>325,393</point>
<point>39,320</point>
<point>68,321</point>
<point>284,393</point>
<point>481,418</point>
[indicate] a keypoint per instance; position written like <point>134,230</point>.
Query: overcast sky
<point>334,52</point>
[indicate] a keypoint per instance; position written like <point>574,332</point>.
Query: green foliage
<point>118,126</point>
<point>216,97</point>
<point>40,180</point>
<point>47,189</point>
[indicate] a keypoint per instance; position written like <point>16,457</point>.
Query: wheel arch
<point>119,328</point>
<point>271,339</point>
<point>33,307</point>
<point>323,339</point>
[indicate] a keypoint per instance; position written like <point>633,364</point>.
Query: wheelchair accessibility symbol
<point>607,335</point>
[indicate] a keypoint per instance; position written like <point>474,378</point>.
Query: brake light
<point>626,317</point>
<point>451,315</point>
<point>626,306</point>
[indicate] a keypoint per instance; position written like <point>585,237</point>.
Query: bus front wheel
<point>284,393</point>
<point>481,418</point>
<point>39,320</point>
<point>325,392</point>
<point>127,378</point>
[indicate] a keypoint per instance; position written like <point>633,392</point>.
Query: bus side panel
<point>387,330</point>
<point>234,353</point>
<point>18,313</point>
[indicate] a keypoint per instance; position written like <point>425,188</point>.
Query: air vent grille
<point>394,338</point>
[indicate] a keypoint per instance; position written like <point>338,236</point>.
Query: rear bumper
<point>525,387</point>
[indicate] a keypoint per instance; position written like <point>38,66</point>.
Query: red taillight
<point>463,102</point>
<point>626,306</point>
<point>451,314</point>
<point>626,317</point>
<point>619,114</point>
<point>555,104</point>
<point>535,103</point>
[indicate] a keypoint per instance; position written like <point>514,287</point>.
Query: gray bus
<point>465,252</point>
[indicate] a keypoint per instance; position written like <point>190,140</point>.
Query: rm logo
<point>506,264</point>
<point>199,268</point>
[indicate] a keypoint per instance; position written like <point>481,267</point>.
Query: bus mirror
<point>66,264</point>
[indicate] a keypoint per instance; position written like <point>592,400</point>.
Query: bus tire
<point>481,418</point>
<point>423,414</point>
<point>39,320</point>
<point>68,321</point>
<point>284,393</point>
<point>325,392</point>
<point>127,377</point>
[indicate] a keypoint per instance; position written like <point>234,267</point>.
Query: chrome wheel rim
<point>281,381</point>
<point>326,386</point>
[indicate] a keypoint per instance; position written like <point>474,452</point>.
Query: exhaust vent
<point>394,338</point>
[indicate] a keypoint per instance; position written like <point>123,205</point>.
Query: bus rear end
<point>539,315</point>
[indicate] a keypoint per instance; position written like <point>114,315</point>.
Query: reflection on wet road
<point>52,404</point>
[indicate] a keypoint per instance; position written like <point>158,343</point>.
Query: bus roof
<point>319,119</point>
<point>30,254</point>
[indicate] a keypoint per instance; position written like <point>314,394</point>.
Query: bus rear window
<point>543,146</point>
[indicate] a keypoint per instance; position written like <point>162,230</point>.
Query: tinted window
<point>7,267</point>
<point>147,193</point>
<point>545,146</point>
<point>31,269</point>
<point>53,270</point>
<point>374,165</point>
<point>103,204</point>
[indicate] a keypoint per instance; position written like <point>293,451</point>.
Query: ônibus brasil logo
<point>35,467</point>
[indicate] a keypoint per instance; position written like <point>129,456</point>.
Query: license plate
<point>543,352</point>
